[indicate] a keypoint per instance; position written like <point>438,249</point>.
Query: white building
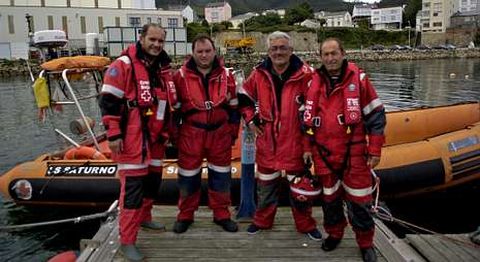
<point>187,12</point>
<point>387,18</point>
<point>239,19</point>
<point>362,12</point>
<point>436,14</point>
<point>335,19</point>
<point>218,12</point>
<point>468,5</point>
<point>311,23</point>
<point>75,17</point>
<point>279,12</point>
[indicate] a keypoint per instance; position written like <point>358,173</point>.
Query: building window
<point>11,26</point>
<point>159,21</point>
<point>437,24</point>
<point>12,2</point>
<point>69,4</point>
<point>83,25</point>
<point>32,24</point>
<point>426,5</point>
<point>172,22</point>
<point>65,24</point>
<point>426,25</point>
<point>393,18</point>
<point>42,3</point>
<point>96,3</point>
<point>117,21</point>
<point>50,22</point>
<point>135,21</point>
<point>149,20</point>
<point>119,4</point>
<point>435,14</point>
<point>100,24</point>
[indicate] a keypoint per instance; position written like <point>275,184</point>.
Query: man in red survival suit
<point>209,126</point>
<point>346,121</point>
<point>270,101</point>
<point>136,100</point>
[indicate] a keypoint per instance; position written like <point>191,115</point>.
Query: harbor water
<point>400,84</point>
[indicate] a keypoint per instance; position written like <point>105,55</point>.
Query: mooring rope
<point>385,215</point>
<point>112,210</point>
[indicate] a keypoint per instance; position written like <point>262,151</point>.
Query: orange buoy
<point>84,152</point>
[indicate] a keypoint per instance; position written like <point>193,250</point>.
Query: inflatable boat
<point>426,150</point>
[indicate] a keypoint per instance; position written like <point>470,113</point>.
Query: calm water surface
<point>399,84</point>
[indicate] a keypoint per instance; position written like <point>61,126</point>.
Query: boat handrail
<point>84,118</point>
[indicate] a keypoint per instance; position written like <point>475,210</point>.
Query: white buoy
<point>467,76</point>
<point>452,75</point>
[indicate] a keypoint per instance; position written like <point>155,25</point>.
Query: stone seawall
<point>12,68</point>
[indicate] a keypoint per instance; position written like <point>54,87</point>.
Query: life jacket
<point>352,111</point>
<point>194,96</point>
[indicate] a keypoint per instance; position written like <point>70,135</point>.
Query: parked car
<point>445,47</point>
<point>377,47</point>
<point>406,47</point>
<point>450,47</point>
<point>396,48</point>
<point>423,47</point>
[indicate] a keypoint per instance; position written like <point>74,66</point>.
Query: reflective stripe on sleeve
<point>112,90</point>
<point>371,106</point>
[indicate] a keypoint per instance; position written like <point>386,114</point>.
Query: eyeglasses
<point>282,48</point>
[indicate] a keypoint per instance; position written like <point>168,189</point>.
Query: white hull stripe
<point>220,169</point>
<point>125,59</point>
<point>189,172</point>
<point>131,166</point>
<point>370,107</point>
<point>268,177</point>
<point>233,102</point>
<point>156,162</point>
<point>358,192</point>
<point>306,193</point>
<point>112,90</point>
<point>331,190</point>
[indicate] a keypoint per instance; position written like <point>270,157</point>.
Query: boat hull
<point>413,162</point>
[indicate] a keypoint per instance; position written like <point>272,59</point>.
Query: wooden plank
<point>466,245</point>
<point>425,248</point>
<point>453,250</point>
<point>205,241</point>
<point>100,237</point>
<point>391,247</point>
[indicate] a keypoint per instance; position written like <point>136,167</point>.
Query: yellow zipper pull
<point>149,112</point>
<point>349,130</point>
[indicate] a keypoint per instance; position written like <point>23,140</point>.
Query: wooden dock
<point>205,241</point>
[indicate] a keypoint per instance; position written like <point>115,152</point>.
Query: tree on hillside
<point>298,13</point>
<point>410,12</point>
<point>269,19</point>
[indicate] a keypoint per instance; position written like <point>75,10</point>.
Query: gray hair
<point>277,35</point>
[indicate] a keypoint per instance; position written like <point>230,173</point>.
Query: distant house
<point>362,12</point>
<point>279,12</point>
<point>468,5</point>
<point>311,23</point>
<point>187,12</point>
<point>335,19</point>
<point>239,19</point>
<point>469,19</point>
<point>218,12</point>
<point>387,18</point>
<point>436,14</point>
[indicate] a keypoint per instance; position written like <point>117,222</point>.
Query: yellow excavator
<point>242,45</point>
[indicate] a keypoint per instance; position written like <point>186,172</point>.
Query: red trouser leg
<point>302,215</point>
<point>131,198</point>
<point>268,183</point>
<point>333,214</point>
<point>189,199</point>
<point>219,182</point>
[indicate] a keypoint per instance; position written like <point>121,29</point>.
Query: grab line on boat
<point>111,211</point>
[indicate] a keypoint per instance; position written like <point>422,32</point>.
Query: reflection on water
<point>400,85</point>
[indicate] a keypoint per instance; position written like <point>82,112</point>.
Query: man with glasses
<point>270,101</point>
